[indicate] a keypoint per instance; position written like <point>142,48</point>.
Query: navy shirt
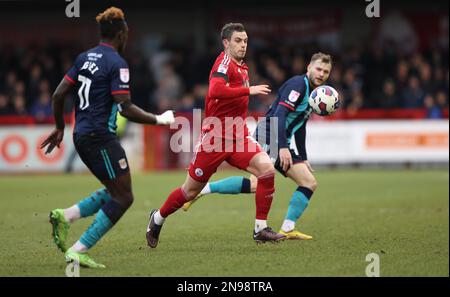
<point>292,109</point>
<point>98,74</point>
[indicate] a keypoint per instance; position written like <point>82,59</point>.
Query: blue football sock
<point>231,185</point>
<point>104,220</point>
<point>96,230</point>
<point>299,202</point>
<point>90,205</point>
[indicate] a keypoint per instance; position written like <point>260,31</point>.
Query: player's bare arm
<point>138,115</point>
<point>55,138</point>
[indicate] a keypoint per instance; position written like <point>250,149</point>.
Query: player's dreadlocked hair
<point>322,57</point>
<point>110,22</point>
<point>228,29</point>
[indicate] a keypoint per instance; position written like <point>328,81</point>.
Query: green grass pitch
<point>402,215</point>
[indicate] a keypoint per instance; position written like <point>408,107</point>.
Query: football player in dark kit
<point>100,76</point>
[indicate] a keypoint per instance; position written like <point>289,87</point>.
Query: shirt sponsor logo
<point>95,55</point>
<point>124,75</point>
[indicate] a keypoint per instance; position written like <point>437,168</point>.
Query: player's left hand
<point>285,159</point>
<point>54,139</point>
<point>308,165</point>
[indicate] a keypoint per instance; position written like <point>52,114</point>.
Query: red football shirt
<point>227,97</point>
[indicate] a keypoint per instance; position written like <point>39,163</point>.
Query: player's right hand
<point>167,118</point>
<point>54,139</point>
<point>285,159</point>
<point>260,90</point>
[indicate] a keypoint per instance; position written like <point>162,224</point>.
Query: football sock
<point>79,247</point>
<point>106,217</point>
<point>231,185</point>
<point>288,225</point>
<point>264,195</point>
<point>175,200</point>
<point>72,213</point>
<point>90,205</point>
<point>260,225</point>
<point>159,220</point>
<point>299,202</point>
<point>206,190</point>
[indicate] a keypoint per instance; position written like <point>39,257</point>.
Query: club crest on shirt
<point>293,96</point>
<point>124,75</point>
<point>123,163</point>
<point>198,172</point>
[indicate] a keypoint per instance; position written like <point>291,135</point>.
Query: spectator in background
<point>335,79</point>
<point>44,86</point>
<point>356,102</point>
<point>388,97</point>
<point>19,105</point>
<point>187,103</point>
<point>299,65</point>
<point>169,88</point>
<point>49,67</point>
<point>442,99</point>
<point>66,61</point>
<point>273,72</point>
<point>199,93</point>
<point>374,72</point>
<point>34,80</point>
<point>262,103</point>
<point>5,107</point>
<point>414,94</point>
<point>42,107</point>
<point>142,83</point>
<point>425,78</point>
<point>433,110</point>
<point>343,100</point>
<point>351,85</point>
<point>19,88</point>
<point>439,79</point>
<point>10,81</point>
<point>401,79</point>
<point>162,76</point>
<point>416,63</point>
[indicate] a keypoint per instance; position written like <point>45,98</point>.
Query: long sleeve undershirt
<point>219,90</point>
<point>281,114</point>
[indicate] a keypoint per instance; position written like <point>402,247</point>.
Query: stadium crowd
<point>176,77</point>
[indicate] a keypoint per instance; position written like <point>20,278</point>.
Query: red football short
<point>208,156</point>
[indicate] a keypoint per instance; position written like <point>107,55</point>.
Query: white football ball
<point>324,100</point>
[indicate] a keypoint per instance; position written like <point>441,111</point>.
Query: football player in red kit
<point>225,137</point>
